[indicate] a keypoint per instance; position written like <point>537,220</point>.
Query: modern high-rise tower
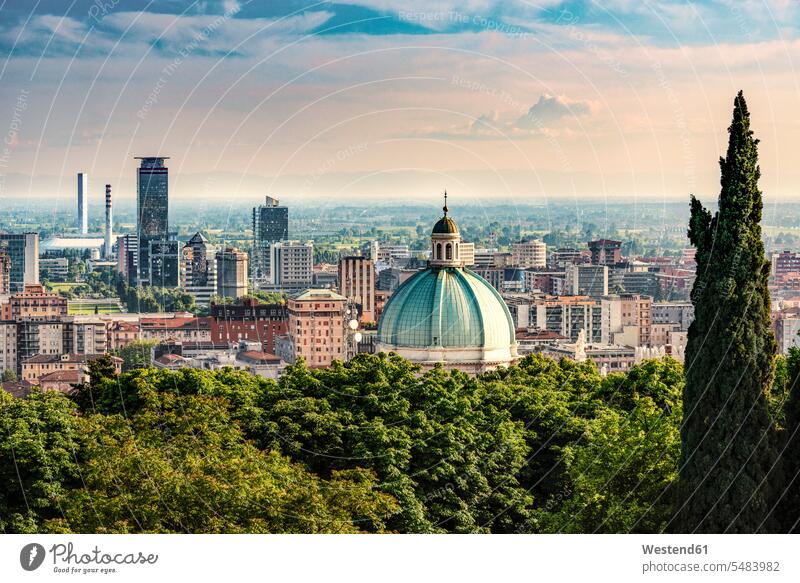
<point>128,257</point>
<point>83,203</point>
<point>109,223</point>
<point>152,206</point>
<point>164,263</point>
<point>22,250</point>
<point>199,269</point>
<point>270,225</point>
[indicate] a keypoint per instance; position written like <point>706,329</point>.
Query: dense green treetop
<point>371,445</point>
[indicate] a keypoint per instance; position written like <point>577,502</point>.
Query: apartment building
<point>317,329</point>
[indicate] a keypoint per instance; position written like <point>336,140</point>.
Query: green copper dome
<point>449,307</point>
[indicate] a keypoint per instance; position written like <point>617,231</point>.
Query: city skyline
<point>328,102</point>
<point>518,267</point>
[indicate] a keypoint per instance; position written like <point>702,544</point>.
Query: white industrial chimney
<point>83,203</point>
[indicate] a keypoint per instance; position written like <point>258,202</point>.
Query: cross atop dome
<point>444,208</point>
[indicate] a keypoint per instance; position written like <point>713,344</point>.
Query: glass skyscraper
<point>164,263</point>
<point>152,206</point>
<point>22,250</point>
<point>270,225</point>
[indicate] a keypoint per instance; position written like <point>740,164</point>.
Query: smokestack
<point>83,203</point>
<point>109,221</point>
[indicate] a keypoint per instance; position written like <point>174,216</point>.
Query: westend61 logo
<point>67,560</point>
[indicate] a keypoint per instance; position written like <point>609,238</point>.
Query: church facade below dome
<point>448,314</point>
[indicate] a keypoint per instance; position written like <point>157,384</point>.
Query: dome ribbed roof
<point>445,226</point>
<point>449,307</point>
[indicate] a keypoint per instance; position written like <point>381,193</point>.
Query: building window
<point>438,251</point>
<point>449,251</point>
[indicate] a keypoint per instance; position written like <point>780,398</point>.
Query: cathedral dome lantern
<point>446,241</point>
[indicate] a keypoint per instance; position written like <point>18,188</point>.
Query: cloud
<point>215,33</point>
<point>487,126</point>
<point>486,123</point>
<point>44,31</point>
<point>430,8</point>
<point>130,32</point>
<point>540,119</point>
<point>551,108</point>
<point>673,22</point>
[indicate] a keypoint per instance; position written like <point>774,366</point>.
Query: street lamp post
<point>353,336</point>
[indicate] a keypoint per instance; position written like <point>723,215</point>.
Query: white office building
<point>291,265</point>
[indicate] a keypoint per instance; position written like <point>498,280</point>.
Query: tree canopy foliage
<point>136,354</point>
<point>372,445</point>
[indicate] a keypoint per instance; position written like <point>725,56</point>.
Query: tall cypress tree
<point>788,490</point>
<point>727,436</point>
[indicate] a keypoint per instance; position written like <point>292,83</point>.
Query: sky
<point>367,101</point>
